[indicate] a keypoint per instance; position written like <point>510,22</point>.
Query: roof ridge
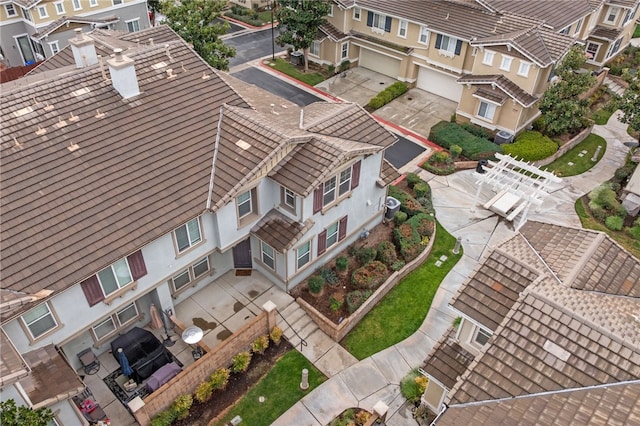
<point>584,259</point>
<point>344,105</point>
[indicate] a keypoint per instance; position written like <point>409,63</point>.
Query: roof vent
<point>84,51</point>
<point>123,75</point>
<point>243,145</point>
<point>23,111</point>
<point>80,92</point>
<point>556,350</point>
<point>73,118</point>
<point>73,147</point>
<point>158,65</point>
<point>40,131</point>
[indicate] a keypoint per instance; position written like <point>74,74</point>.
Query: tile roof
<point>612,404</point>
<point>389,173</point>
<point>279,231</point>
<point>394,46</point>
<point>490,94</point>
<point>504,84</point>
<point>332,32</point>
<point>606,33</point>
<point>447,360</point>
<point>44,32</point>
<point>557,14</point>
<point>12,366</point>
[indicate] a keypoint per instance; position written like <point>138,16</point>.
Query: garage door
<point>379,63</point>
<point>439,84</point>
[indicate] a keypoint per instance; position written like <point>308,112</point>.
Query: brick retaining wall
<point>566,147</point>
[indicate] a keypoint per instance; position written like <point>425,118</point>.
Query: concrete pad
<point>216,336</point>
<point>276,295</point>
<point>252,286</point>
<point>318,343</point>
<point>118,414</point>
<point>389,395</point>
<point>240,318</point>
<point>441,300</point>
<point>415,348</point>
<point>391,364</point>
<point>221,307</point>
<point>108,364</point>
<point>329,400</point>
<point>435,325</point>
<point>296,415</point>
<point>363,378</point>
<point>100,390</point>
<point>402,417</point>
<point>184,356</point>
<point>335,360</point>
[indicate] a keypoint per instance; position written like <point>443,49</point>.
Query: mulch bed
<point>201,414</point>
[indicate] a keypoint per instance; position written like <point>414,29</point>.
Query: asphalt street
<point>252,45</point>
<point>276,86</point>
<point>402,152</point>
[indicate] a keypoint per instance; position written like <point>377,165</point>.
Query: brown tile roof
<point>493,289</point>
<point>51,380</point>
<point>605,33</point>
<point>504,84</point>
<point>12,366</point>
<point>557,14</point>
<point>279,231</point>
<point>447,360</point>
<point>385,43</point>
<point>332,32</point>
<point>26,3</point>
<point>389,173</point>
<point>44,32</point>
<point>490,94</point>
<point>610,404</point>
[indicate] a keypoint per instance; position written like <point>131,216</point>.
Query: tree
<point>154,8</point>
<point>298,22</point>
<point>562,108</point>
<point>12,415</point>
<point>193,21</point>
<point>630,105</point>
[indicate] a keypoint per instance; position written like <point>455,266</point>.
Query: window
<point>27,15</point>
<point>578,26</point>
<point>104,328</point>
<point>303,254</point>
<point>314,49</point>
<point>10,9</point>
<point>448,44</point>
<point>93,3</point>
<point>566,30</point>
<point>114,277</point>
<point>630,14</point>
<point>55,48</point>
<point>289,198</point>
<point>345,182</point>
<point>486,110</point>
<point>332,235</point>
<point>357,13</point>
<point>42,12</point>
<point>488,57</point>
<point>424,35</point>
<point>76,5</point>
<point>244,204</point>
<point>115,2</point>
<point>133,25</point>
<point>127,314</point>
<point>344,51</point>
<point>329,191</point>
<point>330,10</point>
<point>402,28</point>
<point>116,321</point>
<point>612,14</point>
<point>188,235</point>
<point>191,274</point>
<point>39,320</point>
<point>592,50</point>
<point>378,21</point>
<point>268,255</point>
<point>506,63</point>
<point>482,337</point>
<point>613,49</point>
<point>524,68</point>
<point>59,8</point>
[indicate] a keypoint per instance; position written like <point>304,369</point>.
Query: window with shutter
<point>369,19</point>
<point>136,265</point>
<point>92,290</point>
<point>317,199</point>
<point>322,242</point>
<point>355,175</point>
<point>342,232</point>
<point>387,24</point>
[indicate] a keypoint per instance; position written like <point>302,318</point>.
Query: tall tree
<point>298,22</point>
<point>12,415</point>
<point>561,106</point>
<point>193,21</point>
<point>630,105</point>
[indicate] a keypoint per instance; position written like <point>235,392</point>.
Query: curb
<point>244,24</point>
<point>408,132</point>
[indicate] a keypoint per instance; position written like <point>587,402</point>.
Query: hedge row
<point>531,146</point>
<point>387,95</point>
<point>473,147</point>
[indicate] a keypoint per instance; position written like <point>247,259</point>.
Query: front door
<point>242,255</point>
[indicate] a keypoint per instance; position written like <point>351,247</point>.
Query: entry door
<point>25,49</point>
<point>242,255</point>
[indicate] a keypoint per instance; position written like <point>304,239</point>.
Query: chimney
<point>84,51</point>
<point>123,75</point>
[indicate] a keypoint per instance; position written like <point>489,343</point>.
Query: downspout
<point>213,161</point>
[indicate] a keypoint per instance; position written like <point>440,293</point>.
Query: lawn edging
<point>566,147</point>
<point>338,331</point>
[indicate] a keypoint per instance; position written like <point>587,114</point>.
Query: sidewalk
<point>377,378</point>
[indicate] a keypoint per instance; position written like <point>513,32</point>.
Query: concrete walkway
<point>377,378</point>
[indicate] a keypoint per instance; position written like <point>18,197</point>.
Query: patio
<point>219,309</point>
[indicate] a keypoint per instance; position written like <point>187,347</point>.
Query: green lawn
<point>602,116</point>
<point>311,78</point>
<point>636,32</point>
<point>403,310</point>
<point>580,165</point>
<point>280,388</point>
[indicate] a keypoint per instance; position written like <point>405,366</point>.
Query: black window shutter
<point>136,265</point>
<point>322,242</point>
<point>317,200</point>
<point>92,290</point>
<point>458,47</point>
<point>387,24</point>
<point>369,19</point>
<point>342,228</point>
<point>355,174</point>
<point>438,41</point>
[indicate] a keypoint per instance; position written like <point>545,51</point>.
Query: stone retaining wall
<point>566,147</point>
<point>338,331</point>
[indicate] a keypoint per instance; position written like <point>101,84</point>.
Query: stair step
<point>287,310</point>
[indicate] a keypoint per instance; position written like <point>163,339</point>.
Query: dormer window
<point>505,64</point>
<point>357,13</point>
<point>488,57</point>
<point>612,15</point>
<point>188,235</point>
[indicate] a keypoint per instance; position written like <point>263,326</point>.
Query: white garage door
<point>439,84</point>
<point>379,63</point>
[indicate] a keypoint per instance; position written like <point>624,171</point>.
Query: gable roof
<point>556,14</point>
<point>66,20</point>
<point>504,84</point>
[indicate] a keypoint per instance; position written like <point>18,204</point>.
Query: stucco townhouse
<point>494,58</point>
<point>137,177</point>
<point>32,30</point>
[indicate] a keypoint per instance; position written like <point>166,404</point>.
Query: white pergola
<point>518,184</point>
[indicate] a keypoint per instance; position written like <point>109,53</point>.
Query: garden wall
<point>338,331</point>
<point>198,372</point>
<point>566,147</point>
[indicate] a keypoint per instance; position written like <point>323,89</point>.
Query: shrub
<point>478,131</point>
<point>356,298</point>
<point>423,223</point>
<point>342,263</point>
<point>408,204</point>
<point>335,303</point>
<point>387,252</point>
<point>399,217</point>
<point>455,150</point>
<point>410,388</point>
<point>408,240</point>
<point>241,362</point>
<point>422,189</point>
<point>203,392</point>
<point>440,170</point>
<point>181,406</point>
<point>219,378</point>
<point>366,255</point>
<point>370,275</point>
<point>362,418</point>
<point>598,212</point>
<point>413,179</point>
<point>634,231</point>
<point>623,172</point>
<point>427,204</point>
<point>165,418</point>
<point>276,335</point>
<point>421,381</point>
<point>344,65</point>
<point>397,265</point>
<point>614,223</point>
<point>473,147</point>
<point>531,146</point>
<point>636,222</point>
<point>387,95</point>
<point>440,157</point>
<point>315,284</point>
<point>329,275</point>
<point>260,344</point>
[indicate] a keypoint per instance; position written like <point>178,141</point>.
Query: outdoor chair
<point>90,362</point>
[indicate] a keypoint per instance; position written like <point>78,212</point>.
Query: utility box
<point>503,137</point>
<point>393,206</point>
<point>296,58</point>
